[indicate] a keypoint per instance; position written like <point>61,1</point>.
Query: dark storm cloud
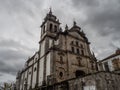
<point>20,21</point>
<point>103,15</point>
<point>12,54</point>
<point>18,24</point>
<point>85,3</point>
<point>103,20</point>
<point>19,27</point>
<point>7,68</point>
<point>11,49</point>
<point>20,6</point>
<point>0,74</point>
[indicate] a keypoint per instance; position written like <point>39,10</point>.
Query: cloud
<point>20,27</point>
<point>12,56</point>
<point>6,77</point>
<point>101,24</point>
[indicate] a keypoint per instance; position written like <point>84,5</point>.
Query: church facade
<point>63,59</point>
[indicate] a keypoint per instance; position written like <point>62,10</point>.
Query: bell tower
<point>50,25</point>
<point>49,32</point>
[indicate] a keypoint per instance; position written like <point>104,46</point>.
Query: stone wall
<point>96,81</point>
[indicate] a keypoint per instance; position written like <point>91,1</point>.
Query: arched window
<point>51,26</point>
<point>55,28</point>
<point>73,49</point>
<point>82,52</point>
<point>72,42</point>
<point>61,74</point>
<point>78,52</point>
<point>79,62</point>
<point>34,69</point>
<point>77,43</point>
<point>81,46</point>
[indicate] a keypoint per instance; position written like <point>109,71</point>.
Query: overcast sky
<point>20,22</point>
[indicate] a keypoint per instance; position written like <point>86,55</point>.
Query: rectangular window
<point>82,52</point>
<point>78,52</point>
<point>72,42</point>
<point>106,66</point>
<point>73,49</point>
<point>76,43</point>
<point>55,28</point>
<point>81,46</point>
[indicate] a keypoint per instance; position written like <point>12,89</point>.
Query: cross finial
<point>66,27</point>
<point>50,12</point>
<point>74,23</point>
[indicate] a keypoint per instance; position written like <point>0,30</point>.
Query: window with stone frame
<point>35,69</point>
<point>82,52</point>
<point>106,66</point>
<point>81,45</point>
<point>77,44</point>
<point>51,26</point>
<point>78,51</point>
<point>72,42</point>
<point>61,74</point>
<point>79,62</point>
<point>55,28</point>
<point>79,59</point>
<point>73,50</point>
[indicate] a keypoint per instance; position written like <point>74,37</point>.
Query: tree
<point>6,86</point>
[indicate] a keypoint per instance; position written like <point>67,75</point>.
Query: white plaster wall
<point>29,77</point>
<point>25,77</point>
<point>110,62</point>
<point>42,48</point>
<point>26,74</point>
<point>110,65</point>
<point>48,65</point>
<point>50,43</point>
<point>21,82</point>
<point>34,75</point>
<point>31,62</point>
<point>86,48</point>
<point>41,69</point>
